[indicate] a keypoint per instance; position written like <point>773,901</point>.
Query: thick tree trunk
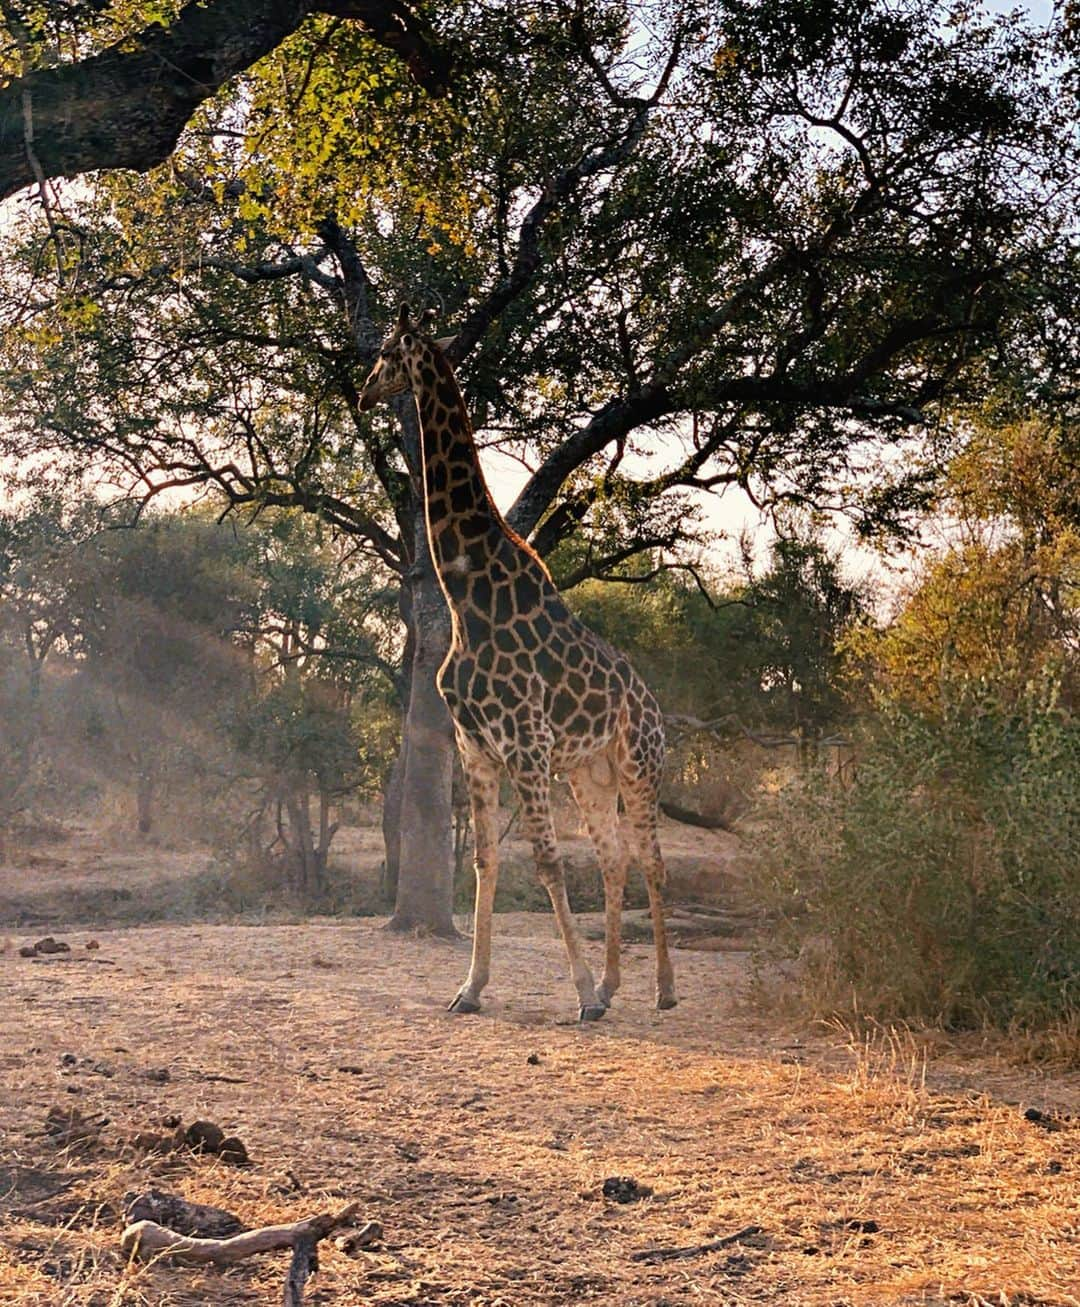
<point>391,821</point>
<point>425,879</point>
<point>395,784</point>
<point>425,886</point>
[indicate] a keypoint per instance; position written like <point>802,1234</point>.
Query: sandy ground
<point>482,1143</point>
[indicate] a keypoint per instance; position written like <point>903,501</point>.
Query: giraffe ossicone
<point>529,687</point>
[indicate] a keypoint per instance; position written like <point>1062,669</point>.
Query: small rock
<point>1044,1119</point>
<point>351,1069</point>
<point>171,1121</point>
<point>1054,1167</point>
<point>864,1227</point>
<point>533,1059</point>
<point>91,945</point>
<point>28,951</point>
<point>160,1075</point>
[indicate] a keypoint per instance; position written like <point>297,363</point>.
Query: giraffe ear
<point>403,314</point>
<point>445,342</point>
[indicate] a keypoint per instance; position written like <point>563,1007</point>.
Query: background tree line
<point>228,678</point>
<point>249,675</point>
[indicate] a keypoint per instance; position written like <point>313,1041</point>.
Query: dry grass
<point>485,1169</point>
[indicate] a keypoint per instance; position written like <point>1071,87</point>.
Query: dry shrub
<point>943,884</point>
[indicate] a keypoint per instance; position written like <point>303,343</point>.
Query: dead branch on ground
<point>147,1240</point>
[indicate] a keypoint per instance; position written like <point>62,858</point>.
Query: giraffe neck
<point>464,526</point>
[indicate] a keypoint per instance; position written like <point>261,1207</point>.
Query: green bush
<point>943,883</point>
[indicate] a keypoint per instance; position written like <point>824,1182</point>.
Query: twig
<point>509,825</point>
<point>694,1250</point>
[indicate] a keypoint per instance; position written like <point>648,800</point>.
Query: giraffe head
<point>390,375</point>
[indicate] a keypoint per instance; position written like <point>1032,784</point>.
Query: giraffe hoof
<point>666,1001</point>
<point>591,1012</point>
<point>462,1004</point>
<point>603,997</point>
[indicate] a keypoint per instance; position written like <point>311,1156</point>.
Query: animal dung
<point>624,1189</point>
<point>43,947</point>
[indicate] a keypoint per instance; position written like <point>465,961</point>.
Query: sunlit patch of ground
<point>327,1049</point>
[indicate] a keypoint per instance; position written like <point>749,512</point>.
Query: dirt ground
<point>884,1173</point>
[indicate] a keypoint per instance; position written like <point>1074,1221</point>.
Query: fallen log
<point>690,818</point>
<point>149,1241</point>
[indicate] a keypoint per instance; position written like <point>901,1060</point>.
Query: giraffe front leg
<point>483,782</point>
<point>534,791</point>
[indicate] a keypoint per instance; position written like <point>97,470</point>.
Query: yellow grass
<point>484,1170</point>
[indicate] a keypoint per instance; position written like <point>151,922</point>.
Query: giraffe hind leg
<point>639,785</point>
<point>596,792</point>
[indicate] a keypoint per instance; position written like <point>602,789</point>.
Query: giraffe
<point>529,687</point>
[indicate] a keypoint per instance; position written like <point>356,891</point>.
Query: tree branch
<point>126,106</point>
<point>528,258</point>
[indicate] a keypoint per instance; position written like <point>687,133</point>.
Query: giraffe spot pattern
<point>503,608</point>
<point>462,497</point>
